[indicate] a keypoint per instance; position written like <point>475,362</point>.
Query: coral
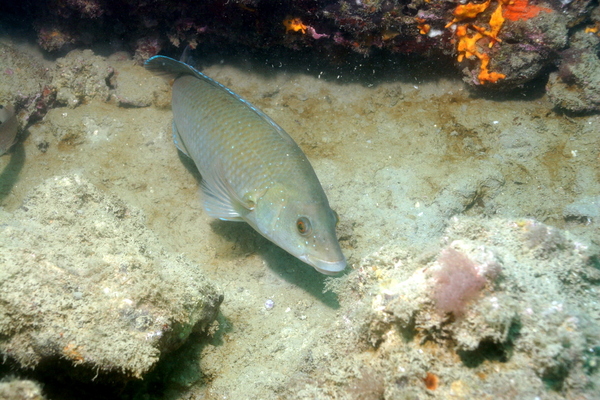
<point>78,8</point>
<point>484,74</point>
<point>526,48</point>
<point>457,282</point>
<point>431,381</point>
<point>43,103</point>
<point>147,47</point>
<point>593,28</point>
<point>467,44</point>
<point>512,40</point>
<point>471,37</point>
<point>53,38</point>
<point>496,22</point>
<point>294,25</point>
<point>521,10</point>
<point>25,84</point>
<point>468,11</point>
<point>543,239</point>
<point>314,34</point>
<point>530,334</point>
<point>423,27</point>
<point>146,27</point>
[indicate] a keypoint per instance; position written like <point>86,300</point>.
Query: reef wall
<point>496,44</point>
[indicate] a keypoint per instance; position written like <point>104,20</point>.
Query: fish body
<point>252,170</point>
<point>8,128</point>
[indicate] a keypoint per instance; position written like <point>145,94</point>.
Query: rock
<point>529,326</point>
<point>136,87</point>
<point>81,76</point>
<point>25,83</point>
<point>82,279</point>
<point>576,85</point>
<point>16,389</point>
<point>528,47</point>
<point>585,209</point>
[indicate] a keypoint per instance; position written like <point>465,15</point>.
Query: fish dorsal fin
<point>173,69</point>
<point>220,199</point>
<point>170,68</point>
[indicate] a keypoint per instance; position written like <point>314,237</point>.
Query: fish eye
<point>337,217</point>
<point>303,226</point>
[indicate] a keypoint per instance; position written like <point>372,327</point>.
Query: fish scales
<point>252,170</point>
<point>253,154</point>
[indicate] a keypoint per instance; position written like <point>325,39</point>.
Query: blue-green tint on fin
<point>173,69</point>
<point>169,68</point>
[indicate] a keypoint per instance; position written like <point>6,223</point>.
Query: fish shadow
<point>247,241</point>
<point>10,174</point>
<point>300,274</point>
<point>189,164</point>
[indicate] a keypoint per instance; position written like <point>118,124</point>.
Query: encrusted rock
<point>83,279</point>
<point>576,85</point>
<point>81,76</point>
<point>136,87</point>
<point>20,389</point>
<point>24,84</point>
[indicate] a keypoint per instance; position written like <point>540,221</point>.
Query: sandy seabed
<point>399,159</point>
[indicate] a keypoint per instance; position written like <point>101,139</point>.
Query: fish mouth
<point>326,267</point>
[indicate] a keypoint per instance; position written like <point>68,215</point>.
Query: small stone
<point>269,304</point>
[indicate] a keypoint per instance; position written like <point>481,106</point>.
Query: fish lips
<point>325,267</point>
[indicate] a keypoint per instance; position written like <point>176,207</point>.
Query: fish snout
<point>327,267</point>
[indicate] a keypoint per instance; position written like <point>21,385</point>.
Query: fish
<point>8,128</point>
<point>252,170</point>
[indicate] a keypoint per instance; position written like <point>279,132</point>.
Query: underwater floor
<point>413,164</point>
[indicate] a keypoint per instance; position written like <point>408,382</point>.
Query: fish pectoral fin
<point>179,143</point>
<point>221,200</point>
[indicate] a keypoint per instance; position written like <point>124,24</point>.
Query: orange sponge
<point>521,10</point>
<point>294,25</point>
<point>469,10</point>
